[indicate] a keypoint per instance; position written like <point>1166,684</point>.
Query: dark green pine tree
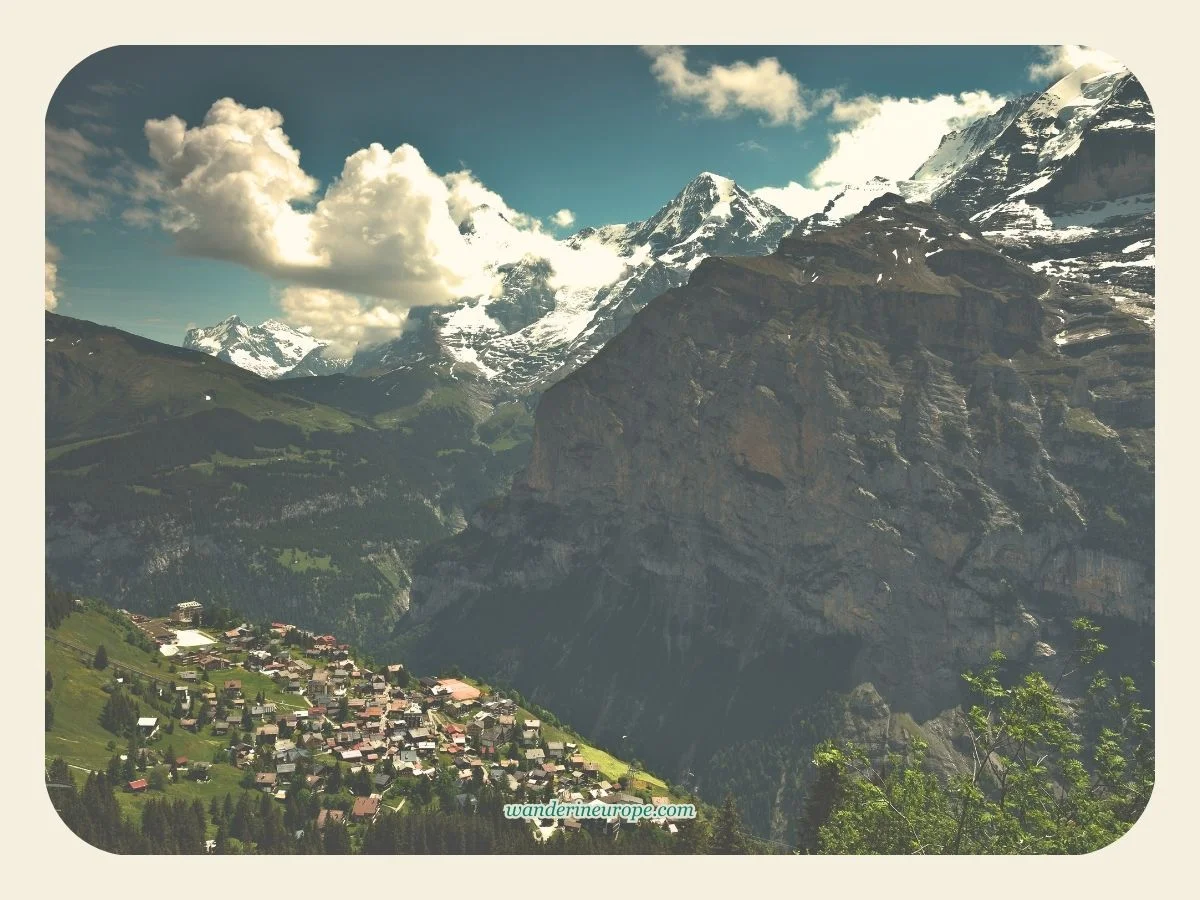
<point>336,838</point>
<point>100,660</point>
<point>728,834</point>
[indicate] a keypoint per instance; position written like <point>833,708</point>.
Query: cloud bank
<point>52,257</point>
<point>388,233</point>
<point>893,136</point>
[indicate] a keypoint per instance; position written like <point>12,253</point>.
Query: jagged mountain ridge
<point>1068,185</point>
<point>870,458</point>
<point>532,333</point>
<point>1062,180</point>
<point>272,349</point>
<point>535,330</point>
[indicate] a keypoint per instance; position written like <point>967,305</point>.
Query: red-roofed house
<point>365,809</point>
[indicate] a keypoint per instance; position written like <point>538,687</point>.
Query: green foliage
<point>1049,775</point>
<point>728,833</point>
<point>100,660</point>
<point>120,714</point>
<point>59,605</point>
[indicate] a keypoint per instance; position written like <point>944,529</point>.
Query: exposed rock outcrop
<point>873,457</point>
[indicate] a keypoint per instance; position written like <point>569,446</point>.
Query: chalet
<point>256,659</point>
<point>534,757</point>
<point>265,780</point>
<point>148,726</point>
<point>555,749</point>
<point>489,740</point>
<point>330,815</point>
<point>365,809</point>
<point>480,722</point>
<point>138,786</point>
<point>233,688</point>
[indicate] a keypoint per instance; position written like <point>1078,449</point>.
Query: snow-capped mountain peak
<point>541,324</point>
<point>1018,174</point>
<point>271,349</point>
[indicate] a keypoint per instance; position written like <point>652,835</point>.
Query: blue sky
<point>608,133</point>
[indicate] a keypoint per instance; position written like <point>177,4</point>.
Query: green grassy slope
<point>171,475</point>
<point>78,696</point>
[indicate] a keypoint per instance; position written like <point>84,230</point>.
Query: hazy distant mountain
<point>271,350</point>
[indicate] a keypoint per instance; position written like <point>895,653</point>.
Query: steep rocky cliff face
<point>870,458</point>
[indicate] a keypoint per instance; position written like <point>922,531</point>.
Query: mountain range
<point>272,349</point>
<point>783,478</point>
<point>859,464</point>
<point>799,495</point>
<point>1017,173</point>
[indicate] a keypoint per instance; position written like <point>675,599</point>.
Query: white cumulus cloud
<point>797,200</point>
<point>892,136</point>
<point>1055,62</point>
<point>564,218</point>
<point>52,257</point>
<point>341,319</point>
<point>387,234</point>
<point>764,87</point>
